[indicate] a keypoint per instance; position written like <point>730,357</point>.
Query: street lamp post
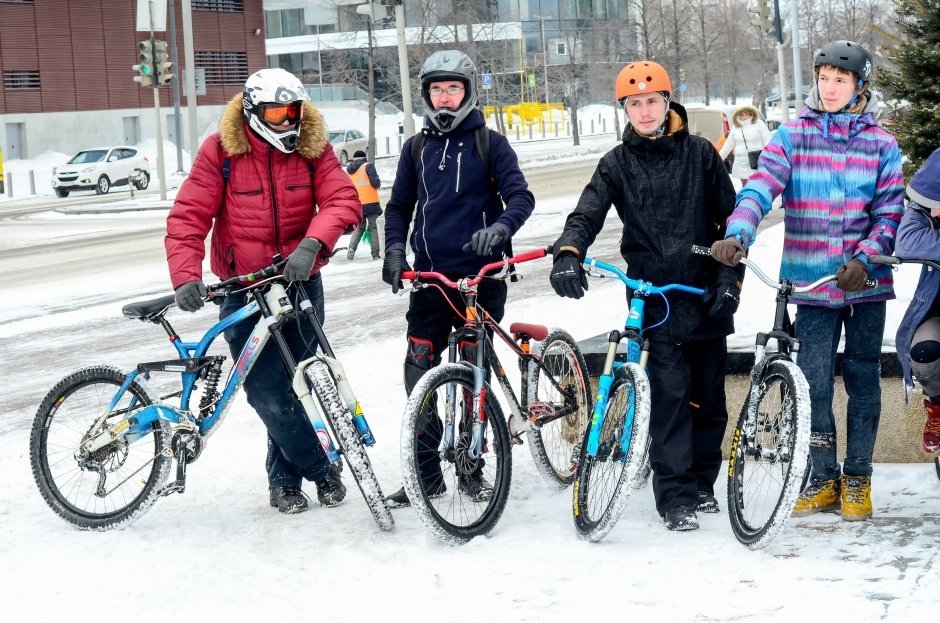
<point>544,54</point>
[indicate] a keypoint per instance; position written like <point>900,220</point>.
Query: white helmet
<point>273,91</point>
<point>443,66</point>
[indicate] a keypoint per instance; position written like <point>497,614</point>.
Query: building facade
<point>67,77</point>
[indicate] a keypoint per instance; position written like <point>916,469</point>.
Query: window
<point>223,67</point>
<point>20,1</point>
<point>20,80</point>
<point>221,6</point>
<point>561,48</point>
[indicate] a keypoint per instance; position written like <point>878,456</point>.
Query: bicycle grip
<point>409,275</point>
<point>884,259</point>
<point>528,255</point>
<point>698,249</point>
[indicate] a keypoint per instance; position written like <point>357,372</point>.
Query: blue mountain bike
<point>615,448</point>
<point>102,442</point>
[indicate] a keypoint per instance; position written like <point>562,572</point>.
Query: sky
<point>220,551</point>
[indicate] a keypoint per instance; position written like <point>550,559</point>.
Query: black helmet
<point>847,55</point>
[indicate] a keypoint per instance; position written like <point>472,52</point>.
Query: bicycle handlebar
<point>892,260</point>
<point>644,287</point>
<point>773,283</point>
<point>416,275</point>
<point>265,273</point>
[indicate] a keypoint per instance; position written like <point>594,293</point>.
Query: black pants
<point>688,419</point>
<point>430,321</point>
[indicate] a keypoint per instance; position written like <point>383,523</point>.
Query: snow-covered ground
<point>219,552</point>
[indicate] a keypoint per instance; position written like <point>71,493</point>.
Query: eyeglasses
<point>276,114</point>
<point>438,91</point>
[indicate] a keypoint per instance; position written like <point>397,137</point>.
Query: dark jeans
<point>819,330</point>
<point>294,451</point>
<point>688,418</point>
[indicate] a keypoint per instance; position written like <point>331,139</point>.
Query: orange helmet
<point>642,77</point>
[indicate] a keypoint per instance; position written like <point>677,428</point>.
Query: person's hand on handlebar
<point>392,268</point>
<point>728,251</point>
<point>568,277</point>
<point>851,276</point>
<point>191,296</point>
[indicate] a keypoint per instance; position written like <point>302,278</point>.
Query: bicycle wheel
<point>112,486</point>
<point>337,414</point>
<point>604,481</point>
<point>555,445</point>
<point>440,487</point>
<point>769,453</point>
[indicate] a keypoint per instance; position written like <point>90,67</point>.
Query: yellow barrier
<point>530,114</point>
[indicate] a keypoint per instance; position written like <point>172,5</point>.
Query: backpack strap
<point>481,137</point>
<point>227,170</point>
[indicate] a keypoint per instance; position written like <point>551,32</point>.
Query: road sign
<point>682,87</point>
<point>486,81</point>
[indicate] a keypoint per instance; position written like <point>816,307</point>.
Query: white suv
<point>101,168</point>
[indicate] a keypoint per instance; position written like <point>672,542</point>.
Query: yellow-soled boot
<point>856,498</point>
<point>817,497</point>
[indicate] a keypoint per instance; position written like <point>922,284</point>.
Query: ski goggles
<point>276,114</point>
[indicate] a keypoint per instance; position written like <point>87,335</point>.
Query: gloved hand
<point>300,262</point>
<point>728,251</point>
<point>568,277</point>
<point>393,266</point>
<point>485,241</point>
<point>851,276</point>
<point>189,296</point>
<point>724,296</point>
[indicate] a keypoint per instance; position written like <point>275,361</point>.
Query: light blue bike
<point>102,442</point>
<point>614,451</point>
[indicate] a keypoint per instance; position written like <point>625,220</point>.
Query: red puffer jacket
<point>268,205</point>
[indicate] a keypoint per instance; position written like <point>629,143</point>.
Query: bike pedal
<point>177,486</point>
<point>516,439</point>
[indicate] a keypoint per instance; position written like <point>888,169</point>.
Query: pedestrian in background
<point>746,140</point>
<point>366,180</point>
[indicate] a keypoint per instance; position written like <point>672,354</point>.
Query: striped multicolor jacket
<point>840,177</point>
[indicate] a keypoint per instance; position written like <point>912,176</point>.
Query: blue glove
<point>191,296</point>
<point>300,262</point>
<point>485,241</point>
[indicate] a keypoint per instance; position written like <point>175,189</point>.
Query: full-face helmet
<point>270,97</point>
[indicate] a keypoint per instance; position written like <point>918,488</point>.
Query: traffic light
<point>161,64</point>
<point>144,68</point>
<point>762,16</point>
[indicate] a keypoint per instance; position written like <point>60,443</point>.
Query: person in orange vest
<point>366,179</point>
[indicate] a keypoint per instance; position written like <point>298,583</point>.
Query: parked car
<point>101,168</point>
<point>347,142</point>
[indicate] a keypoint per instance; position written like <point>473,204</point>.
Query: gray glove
<point>485,241</point>
<point>300,262</point>
<point>190,296</point>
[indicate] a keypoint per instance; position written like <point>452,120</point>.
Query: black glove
<point>393,266</point>
<point>724,296</point>
<point>851,276</point>
<point>300,262</point>
<point>728,251</point>
<point>189,296</point>
<point>568,277</point>
<point>485,241</point>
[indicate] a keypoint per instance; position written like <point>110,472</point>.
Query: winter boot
<point>705,502</point>
<point>932,427</point>
<point>399,499</point>
<point>856,497</point>
<point>817,497</point>
<point>288,500</point>
<point>330,489</point>
<point>350,254</point>
<point>475,486</point>
<point>681,518</point>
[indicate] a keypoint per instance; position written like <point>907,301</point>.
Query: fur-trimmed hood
<point>735,118</point>
<point>233,131</point>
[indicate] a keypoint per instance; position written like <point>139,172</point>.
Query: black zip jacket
<point>670,193</point>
